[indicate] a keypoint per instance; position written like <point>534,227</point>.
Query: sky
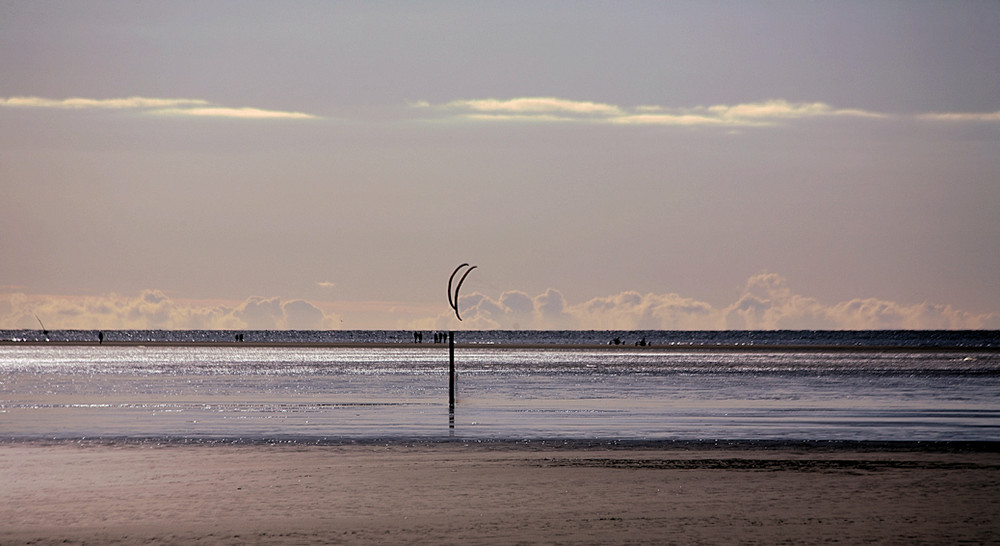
<point>606,165</point>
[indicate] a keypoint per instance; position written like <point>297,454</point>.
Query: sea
<point>537,386</point>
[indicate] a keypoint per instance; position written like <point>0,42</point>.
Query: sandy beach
<point>452,492</point>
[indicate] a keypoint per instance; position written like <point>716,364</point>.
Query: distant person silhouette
<point>100,338</point>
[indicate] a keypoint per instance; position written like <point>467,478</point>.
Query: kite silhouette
<point>453,295</point>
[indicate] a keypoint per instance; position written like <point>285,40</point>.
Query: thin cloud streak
<point>532,105</point>
<point>158,106</point>
<point>78,103</point>
<point>552,109</point>
<point>751,114</point>
<point>241,113</point>
<point>962,116</point>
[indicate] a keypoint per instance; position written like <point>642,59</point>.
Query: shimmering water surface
<point>367,391</point>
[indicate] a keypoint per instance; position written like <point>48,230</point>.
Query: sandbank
<point>502,493</point>
<point>672,347</point>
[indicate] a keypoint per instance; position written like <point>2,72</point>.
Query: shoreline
<point>458,493</point>
<point>678,347</point>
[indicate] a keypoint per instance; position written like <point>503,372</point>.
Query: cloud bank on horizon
<point>766,303</point>
<point>153,310</point>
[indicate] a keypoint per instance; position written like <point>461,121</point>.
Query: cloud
<point>550,310</point>
<point>157,106</point>
<point>551,307</point>
<point>274,314</point>
<point>82,103</point>
<point>766,303</point>
<point>962,116</point>
<point>513,310</point>
<point>518,304</point>
<point>687,120</point>
<point>635,311</point>
<point>152,309</point>
<point>749,114</point>
<point>782,109</point>
<point>302,315</point>
<point>242,113</point>
<point>552,109</point>
<point>536,105</point>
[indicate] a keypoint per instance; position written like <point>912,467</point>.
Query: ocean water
<point>374,385</point>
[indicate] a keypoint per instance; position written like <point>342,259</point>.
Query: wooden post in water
<point>451,369</point>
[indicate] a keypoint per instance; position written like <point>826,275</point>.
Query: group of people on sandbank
<point>439,337</point>
<point>641,343</point>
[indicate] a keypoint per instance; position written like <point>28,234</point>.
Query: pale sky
<point>676,165</point>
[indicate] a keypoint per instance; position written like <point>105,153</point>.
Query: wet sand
<point>451,492</point>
